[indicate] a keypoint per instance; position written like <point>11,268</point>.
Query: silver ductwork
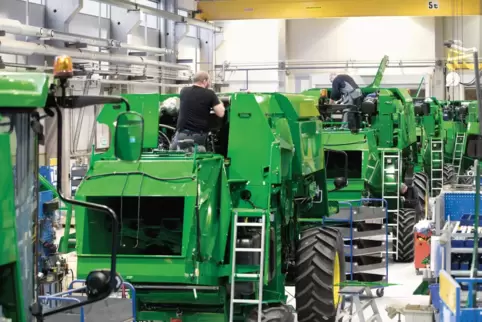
<point>14,47</point>
<point>17,28</point>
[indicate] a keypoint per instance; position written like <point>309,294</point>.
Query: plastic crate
<point>434,295</point>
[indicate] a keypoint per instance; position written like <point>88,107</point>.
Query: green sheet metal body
<point>454,123</point>
<point>19,93</point>
<point>275,151</point>
<point>430,127</point>
<point>473,131</point>
<point>392,129</point>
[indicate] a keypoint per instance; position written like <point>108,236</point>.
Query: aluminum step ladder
<point>361,298</point>
<point>257,278</point>
<point>459,148</point>
<point>392,157</point>
<point>436,166</point>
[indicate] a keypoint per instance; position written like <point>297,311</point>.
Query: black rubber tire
<point>407,221</point>
<point>468,178</point>
<point>421,183</point>
<point>281,313</point>
<point>315,258</point>
<point>380,292</point>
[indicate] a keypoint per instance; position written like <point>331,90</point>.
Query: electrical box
<point>188,5</point>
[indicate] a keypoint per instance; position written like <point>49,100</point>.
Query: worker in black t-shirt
<point>346,91</point>
<point>196,104</point>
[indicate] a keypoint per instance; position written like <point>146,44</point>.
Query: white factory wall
<point>259,44</point>
<point>363,39</point>
<point>250,42</point>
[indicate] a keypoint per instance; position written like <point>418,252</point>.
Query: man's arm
<point>218,106</point>
<point>335,91</point>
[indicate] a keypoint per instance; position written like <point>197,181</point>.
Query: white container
<point>418,313</point>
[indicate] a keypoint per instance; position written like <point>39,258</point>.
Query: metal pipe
<point>475,251</point>
<point>162,13</point>
<point>128,82</point>
<point>8,46</point>
<point>120,82</point>
<point>317,67</point>
<point>17,28</point>
<point>477,86</point>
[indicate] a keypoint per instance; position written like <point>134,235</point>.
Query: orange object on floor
<point>421,249</point>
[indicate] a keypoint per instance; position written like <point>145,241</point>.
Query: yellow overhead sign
<point>293,9</point>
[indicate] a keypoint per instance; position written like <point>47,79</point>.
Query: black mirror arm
<point>83,101</point>
<point>97,207</point>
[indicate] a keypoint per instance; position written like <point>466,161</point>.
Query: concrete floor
<point>399,295</point>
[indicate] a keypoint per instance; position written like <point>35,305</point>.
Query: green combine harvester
<point>217,235</point>
<point>434,142</point>
<point>455,127</point>
<point>467,123</point>
<point>25,99</point>
<point>381,148</point>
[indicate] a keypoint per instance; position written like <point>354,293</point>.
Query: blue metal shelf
<point>458,204</point>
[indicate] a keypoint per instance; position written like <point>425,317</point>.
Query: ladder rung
<point>390,183</point>
<point>373,317</point>
<point>249,224</point>
<point>244,275</point>
<point>245,212</point>
<point>248,250</point>
<point>241,301</point>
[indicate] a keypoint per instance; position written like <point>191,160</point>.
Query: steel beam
<point>166,14</point>
<point>286,9</point>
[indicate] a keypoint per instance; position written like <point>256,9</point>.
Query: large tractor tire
<point>406,225</point>
<point>281,313</point>
<point>469,176</point>
<point>450,176</point>
<point>320,266</point>
<point>421,183</point>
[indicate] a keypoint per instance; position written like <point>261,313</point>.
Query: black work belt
<point>189,132</point>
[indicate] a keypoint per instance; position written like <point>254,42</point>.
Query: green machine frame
<point>216,236</point>
<point>383,154</point>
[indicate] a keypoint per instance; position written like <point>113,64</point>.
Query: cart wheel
<point>380,292</point>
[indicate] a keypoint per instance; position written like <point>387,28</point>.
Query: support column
<point>122,22</point>
<point>438,88</point>
<point>209,42</point>
<point>59,14</point>
<point>282,57</point>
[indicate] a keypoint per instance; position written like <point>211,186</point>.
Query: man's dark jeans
<point>185,140</point>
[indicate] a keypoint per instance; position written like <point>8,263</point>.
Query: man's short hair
<point>332,76</point>
<point>200,77</point>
